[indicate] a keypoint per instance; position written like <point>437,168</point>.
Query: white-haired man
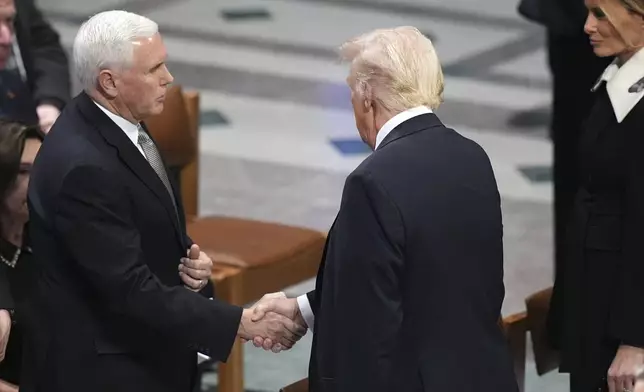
<point>409,292</point>
<point>108,231</point>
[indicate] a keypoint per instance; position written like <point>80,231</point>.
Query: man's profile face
<point>143,86</point>
<point>7,16</point>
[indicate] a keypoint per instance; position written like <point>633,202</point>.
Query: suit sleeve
<point>92,218</point>
<point>627,321</point>
<point>6,299</point>
<point>310,296</point>
<point>367,261</point>
<point>51,67</point>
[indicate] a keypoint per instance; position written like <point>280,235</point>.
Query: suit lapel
<point>600,118</point>
<point>411,126</point>
<point>131,157</point>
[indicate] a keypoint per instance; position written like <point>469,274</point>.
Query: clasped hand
<point>277,306</point>
<point>627,370</point>
<point>195,269</point>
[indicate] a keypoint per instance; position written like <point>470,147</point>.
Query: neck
<point>382,116</point>
<point>113,106</point>
<point>12,231</point>
<point>623,57</point>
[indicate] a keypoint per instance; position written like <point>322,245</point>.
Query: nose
<point>6,33</point>
<point>590,26</point>
<point>168,76</point>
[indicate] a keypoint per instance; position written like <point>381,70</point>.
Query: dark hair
<point>13,136</point>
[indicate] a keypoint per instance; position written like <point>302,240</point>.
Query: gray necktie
<point>154,158</point>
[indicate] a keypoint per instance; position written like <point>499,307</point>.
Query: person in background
<point>573,68</point>
<point>409,291</point>
<point>19,145</point>
<point>34,71</point>
<point>596,317</point>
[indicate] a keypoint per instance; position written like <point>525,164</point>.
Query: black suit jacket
<point>409,292</point>
<point>115,314</point>
<point>44,58</point>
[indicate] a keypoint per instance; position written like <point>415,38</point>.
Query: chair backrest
<point>300,386</point>
<point>176,133</point>
<point>545,358</point>
<point>515,329</point>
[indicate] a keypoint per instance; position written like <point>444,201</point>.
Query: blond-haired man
<point>410,288</point>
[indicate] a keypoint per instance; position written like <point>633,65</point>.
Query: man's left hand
<point>196,269</point>
<point>627,367</point>
<point>47,115</point>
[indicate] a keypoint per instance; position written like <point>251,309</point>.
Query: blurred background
<point>277,136</point>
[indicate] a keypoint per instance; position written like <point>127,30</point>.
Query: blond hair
<point>398,68</point>
<point>616,12</point>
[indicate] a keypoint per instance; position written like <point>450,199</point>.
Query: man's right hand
<point>273,327</point>
<point>276,303</point>
<point>5,330</point>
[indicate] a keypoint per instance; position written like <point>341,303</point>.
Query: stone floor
<point>278,137</point>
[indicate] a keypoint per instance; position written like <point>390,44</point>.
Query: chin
<point>157,109</point>
<point>603,52</point>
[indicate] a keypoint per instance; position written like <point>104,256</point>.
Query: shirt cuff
<point>305,309</point>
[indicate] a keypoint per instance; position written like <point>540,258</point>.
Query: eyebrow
<point>597,12</point>
<point>157,65</point>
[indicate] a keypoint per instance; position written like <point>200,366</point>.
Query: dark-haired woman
<point>19,145</point>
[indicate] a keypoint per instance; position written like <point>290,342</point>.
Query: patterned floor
<point>278,137</point>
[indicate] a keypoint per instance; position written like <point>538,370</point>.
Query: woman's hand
<point>6,387</point>
<point>5,330</point>
<point>627,368</point>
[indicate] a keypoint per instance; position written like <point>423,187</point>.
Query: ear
<point>368,105</point>
<point>366,99</point>
<point>107,83</point>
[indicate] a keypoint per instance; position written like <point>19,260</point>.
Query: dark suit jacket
<point>43,56</point>
<point>560,17</point>
<point>116,317</point>
<point>596,295</point>
<point>409,292</point>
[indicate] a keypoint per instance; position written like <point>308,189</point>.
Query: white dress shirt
<point>620,79</point>
<point>131,130</point>
<point>303,300</point>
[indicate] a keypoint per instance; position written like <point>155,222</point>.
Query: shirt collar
<point>625,84</point>
<point>131,130</point>
<point>398,119</point>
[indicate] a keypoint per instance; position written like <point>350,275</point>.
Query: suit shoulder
<point>431,145</point>
<point>69,145</point>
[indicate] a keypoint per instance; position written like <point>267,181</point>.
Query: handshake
<point>273,323</point>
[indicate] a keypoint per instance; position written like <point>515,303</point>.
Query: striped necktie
<point>154,158</point>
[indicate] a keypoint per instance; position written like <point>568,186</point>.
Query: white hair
<point>398,67</point>
<point>104,41</point>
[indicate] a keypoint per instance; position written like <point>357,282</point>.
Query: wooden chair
<point>251,258</point>
<point>514,327</point>
<point>546,359</point>
<point>300,386</point>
